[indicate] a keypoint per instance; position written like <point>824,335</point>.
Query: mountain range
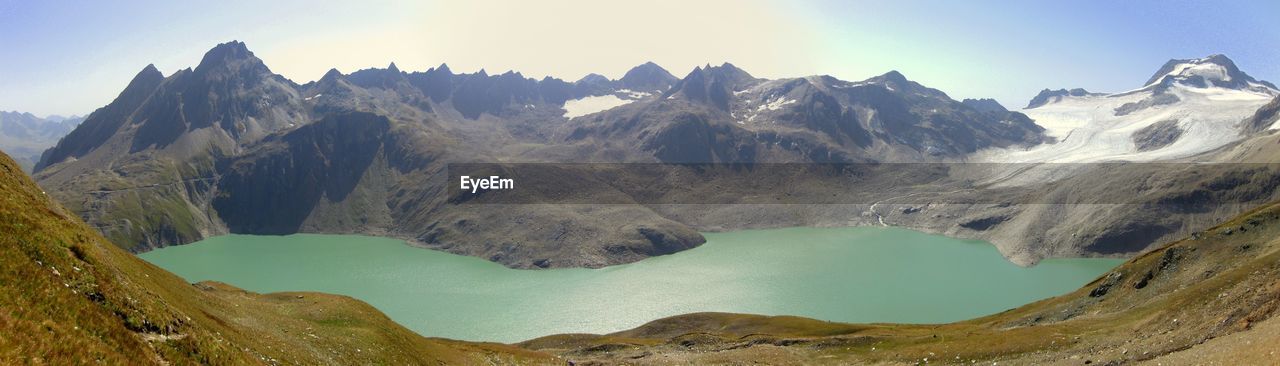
<point>231,147</point>
<point>25,136</point>
<point>205,149</point>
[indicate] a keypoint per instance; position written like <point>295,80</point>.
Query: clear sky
<point>71,57</point>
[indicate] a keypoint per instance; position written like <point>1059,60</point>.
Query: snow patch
<point>1209,71</point>
<point>775,104</point>
<point>634,94</point>
<point>588,105</point>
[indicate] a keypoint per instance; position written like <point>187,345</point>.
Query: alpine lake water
<point>858,275</point>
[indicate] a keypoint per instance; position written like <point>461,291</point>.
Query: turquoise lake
<point>856,275</point>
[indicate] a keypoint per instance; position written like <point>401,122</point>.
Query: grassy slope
<point>1210,289</point>
<point>67,296</point>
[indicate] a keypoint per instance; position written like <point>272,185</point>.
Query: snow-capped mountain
<point>1212,71</point>
<point>1188,107</point>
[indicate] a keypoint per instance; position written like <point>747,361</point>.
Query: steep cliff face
<point>278,186</point>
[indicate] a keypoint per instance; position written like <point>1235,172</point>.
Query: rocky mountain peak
<point>726,75</point>
<point>436,82</point>
<point>896,82</point>
<point>730,74</point>
<point>103,123</point>
<point>331,79</point>
<point>712,84</point>
<point>228,55</point>
<point>592,78</point>
<point>648,76</point>
<point>892,76</point>
<point>443,68</point>
<point>893,80</point>
<point>593,84</point>
<point>388,78</point>
<point>149,71</point>
<point>147,79</point>
<point>331,74</point>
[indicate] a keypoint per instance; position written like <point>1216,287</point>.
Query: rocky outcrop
<point>1263,119</point>
<point>1157,135</point>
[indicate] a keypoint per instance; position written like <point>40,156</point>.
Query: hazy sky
<point>71,57</point>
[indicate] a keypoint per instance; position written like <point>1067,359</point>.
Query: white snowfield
<point>588,105</point>
<point>600,103</point>
<point>775,104</point>
<point>1088,129</point>
<point>637,94</point>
